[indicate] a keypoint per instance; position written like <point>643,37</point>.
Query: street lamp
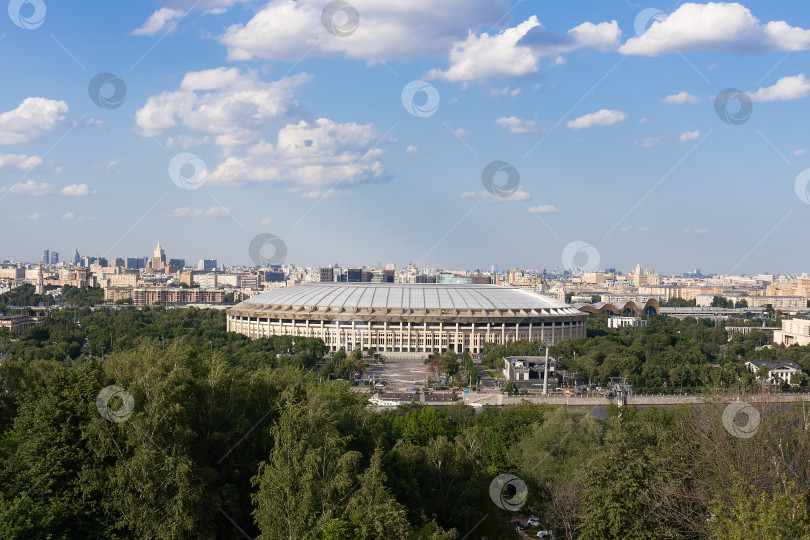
<point>102,353</point>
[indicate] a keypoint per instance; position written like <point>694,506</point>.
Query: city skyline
<point>533,136</point>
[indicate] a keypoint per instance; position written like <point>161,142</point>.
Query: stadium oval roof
<point>370,299</point>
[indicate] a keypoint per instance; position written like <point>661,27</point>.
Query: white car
<point>544,533</point>
<point>533,522</point>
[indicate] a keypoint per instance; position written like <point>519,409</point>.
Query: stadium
<point>407,318</point>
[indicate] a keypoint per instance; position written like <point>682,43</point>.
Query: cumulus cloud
<point>690,136</point>
<point>505,92</point>
<point>213,212</point>
<point>394,29</point>
<point>716,26</point>
<point>229,105</point>
<point>310,156</point>
<point>38,189</point>
<point>19,162</point>
<point>516,125</point>
<point>543,209</point>
<point>411,149</point>
<point>517,51</point>
<point>649,142</point>
<point>604,117</point>
<point>157,21</point>
<point>29,187</point>
<point>680,98</point>
<point>786,88</point>
<point>31,119</point>
<point>75,190</point>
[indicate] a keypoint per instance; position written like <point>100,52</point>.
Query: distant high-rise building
<point>179,263</point>
<point>76,258</point>
<point>353,275</point>
<point>54,257</point>
<point>134,263</point>
<point>46,257</point>
<point>40,289</point>
<point>207,265</point>
<point>326,275</point>
<point>158,258</point>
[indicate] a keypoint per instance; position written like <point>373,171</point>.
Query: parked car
<point>518,525</point>
<point>533,522</point>
<point>545,533</point>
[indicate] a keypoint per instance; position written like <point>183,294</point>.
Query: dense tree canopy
<point>203,434</point>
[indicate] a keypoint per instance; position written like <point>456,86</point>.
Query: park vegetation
<point>217,436</point>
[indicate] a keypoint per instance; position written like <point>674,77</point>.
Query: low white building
<point>624,322</point>
<point>779,371</point>
<point>793,332</point>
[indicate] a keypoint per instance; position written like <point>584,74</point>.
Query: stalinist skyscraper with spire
<point>158,259</point>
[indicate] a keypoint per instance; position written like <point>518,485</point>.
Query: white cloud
<point>461,133</point>
<point>625,228</point>
<point>716,26</point>
<point>19,162</point>
<point>680,98</point>
<point>394,29</point>
<point>29,187</point>
<point>213,212</point>
<point>313,156</point>
<point>75,190</point>
<point>157,21</point>
<point>468,194</point>
<point>516,125</point>
<point>543,209</point>
<point>31,119</point>
<point>518,195</point>
<point>786,88</point>
<point>799,151</point>
<point>36,215</point>
<point>71,216</point>
<point>642,121</point>
<point>695,231</point>
<point>559,61</point>
<point>267,221</point>
<point>649,142</point>
<point>517,51</point>
<point>604,117</point>
<point>231,106</point>
<point>505,92</point>
<point>411,149</point>
<point>690,135</point>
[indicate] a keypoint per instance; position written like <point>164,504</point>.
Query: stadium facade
<point>407,318</point>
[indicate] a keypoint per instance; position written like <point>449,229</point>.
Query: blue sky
<point>606,109</point>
